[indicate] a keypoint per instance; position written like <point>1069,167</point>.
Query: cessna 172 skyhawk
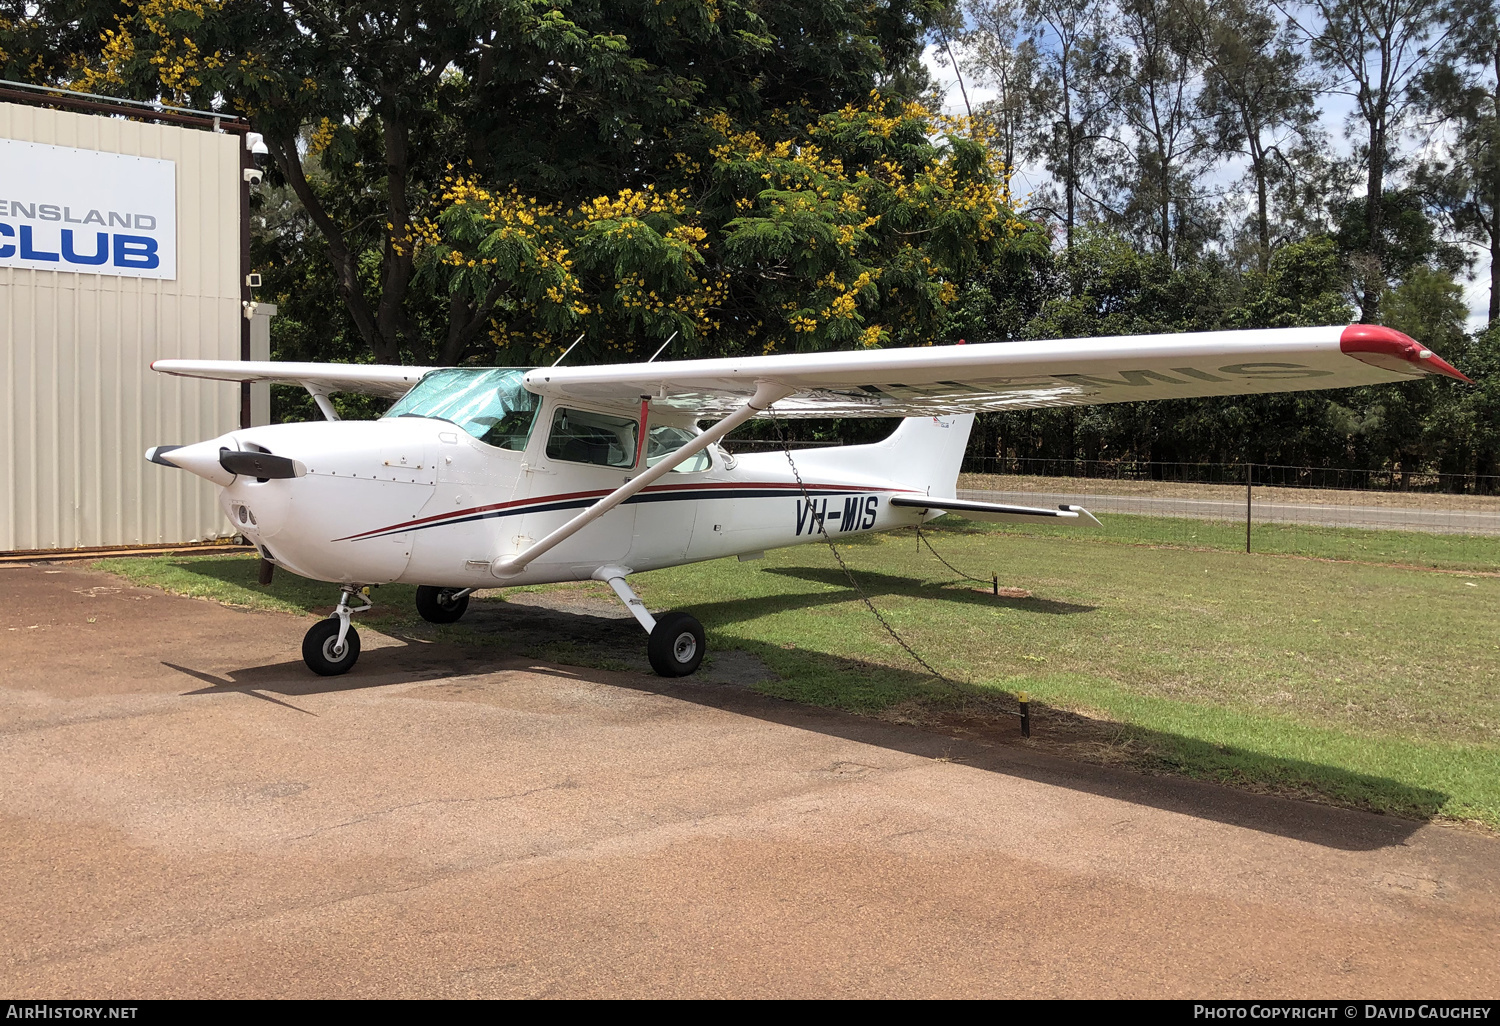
<point>486,477</point>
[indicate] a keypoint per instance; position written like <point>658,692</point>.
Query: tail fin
<point>927,452</point>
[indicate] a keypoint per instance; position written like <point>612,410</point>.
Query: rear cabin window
<point>663,441</point>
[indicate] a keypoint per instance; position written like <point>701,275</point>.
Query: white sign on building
<point>87,211</point>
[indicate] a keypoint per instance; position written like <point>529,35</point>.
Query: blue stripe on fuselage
<point>675,496</point>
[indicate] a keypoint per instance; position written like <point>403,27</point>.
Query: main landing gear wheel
<point>322,652</point>
<point>442,605</point>
<point>676,645</point>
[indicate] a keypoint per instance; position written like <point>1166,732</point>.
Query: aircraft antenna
<point>568,350</point>
<point>663,347</point>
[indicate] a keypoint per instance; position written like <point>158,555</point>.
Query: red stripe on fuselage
<point>541,500</point>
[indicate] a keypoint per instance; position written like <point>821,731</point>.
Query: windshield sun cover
<point>487,402</point>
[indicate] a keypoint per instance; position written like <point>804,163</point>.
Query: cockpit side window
<point>489,403</point>
<point>578,436</point>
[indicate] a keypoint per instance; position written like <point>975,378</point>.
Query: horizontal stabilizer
<point>994,512</point>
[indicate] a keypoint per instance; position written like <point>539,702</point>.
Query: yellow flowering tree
<point>470,180</point>
<point>853,228</point>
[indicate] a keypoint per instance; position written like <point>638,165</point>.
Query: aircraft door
<point>579,458</point>
<point>473,479</point>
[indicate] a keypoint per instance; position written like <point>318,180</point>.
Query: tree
<point>1461,94</point>
<point>366,106</point>
<point>1305,283</point>
<point>40,42</point>
<point>1164,150</point>
<point>1472,417</point>
<point>1409,238</point>
<point>853,230</point>
<point>1375,51</point>
<point>1256,97</point>
<point>1000,56</point>
<point>1075,98</point>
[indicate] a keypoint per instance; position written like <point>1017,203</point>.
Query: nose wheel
<point>324,654</point>
<point>331,646</point>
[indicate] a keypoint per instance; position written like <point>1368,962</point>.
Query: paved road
<point>186,811</point>
<point>1431,521</point>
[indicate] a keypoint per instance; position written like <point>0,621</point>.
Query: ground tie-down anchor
<point>1025,700</point>
<point>995,584</point>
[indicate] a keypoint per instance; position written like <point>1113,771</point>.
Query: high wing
<point>937,380</point>
<point>317,378</point>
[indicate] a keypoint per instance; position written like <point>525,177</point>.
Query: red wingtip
<point>1387,348</point>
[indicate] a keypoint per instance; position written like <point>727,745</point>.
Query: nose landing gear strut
<point>331,646</point>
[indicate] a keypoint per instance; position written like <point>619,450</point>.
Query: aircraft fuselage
<point>418,501</point>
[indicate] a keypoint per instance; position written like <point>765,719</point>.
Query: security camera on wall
<point>256,144</point>
<point>260,154</point>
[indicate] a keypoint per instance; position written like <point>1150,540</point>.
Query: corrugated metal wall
<point>81,403</point>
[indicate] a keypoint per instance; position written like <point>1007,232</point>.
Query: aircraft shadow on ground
<point>877,584</point>
<point>509,635</point>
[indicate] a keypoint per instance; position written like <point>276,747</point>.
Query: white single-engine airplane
<point>486,477</point>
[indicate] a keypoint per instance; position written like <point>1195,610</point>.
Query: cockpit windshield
<point>487,402</point>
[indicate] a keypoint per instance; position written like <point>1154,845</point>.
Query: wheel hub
<point>685,647</point>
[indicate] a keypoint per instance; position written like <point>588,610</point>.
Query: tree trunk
<point>1495,206</point>
<point>1166,218</point>
<point>345,266</point>
<point>1495,262</point>
<point>396,259</point>
<point>1262,203</point>
<point>1070,178</point>
<point>1262,221</point>
<point>1374,284</point>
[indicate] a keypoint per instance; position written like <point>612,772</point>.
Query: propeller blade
<point>260,465</point>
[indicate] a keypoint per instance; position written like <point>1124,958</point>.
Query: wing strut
<point>766,393</point>
<point>321,400</point>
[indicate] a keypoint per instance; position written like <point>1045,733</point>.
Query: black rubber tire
<point>317,648</point>
<point>676,646</point>
<point>435,607</point>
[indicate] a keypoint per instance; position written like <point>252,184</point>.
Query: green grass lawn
<point>1366,685</point>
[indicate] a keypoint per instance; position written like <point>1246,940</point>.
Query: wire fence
<point>1427,519</point>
